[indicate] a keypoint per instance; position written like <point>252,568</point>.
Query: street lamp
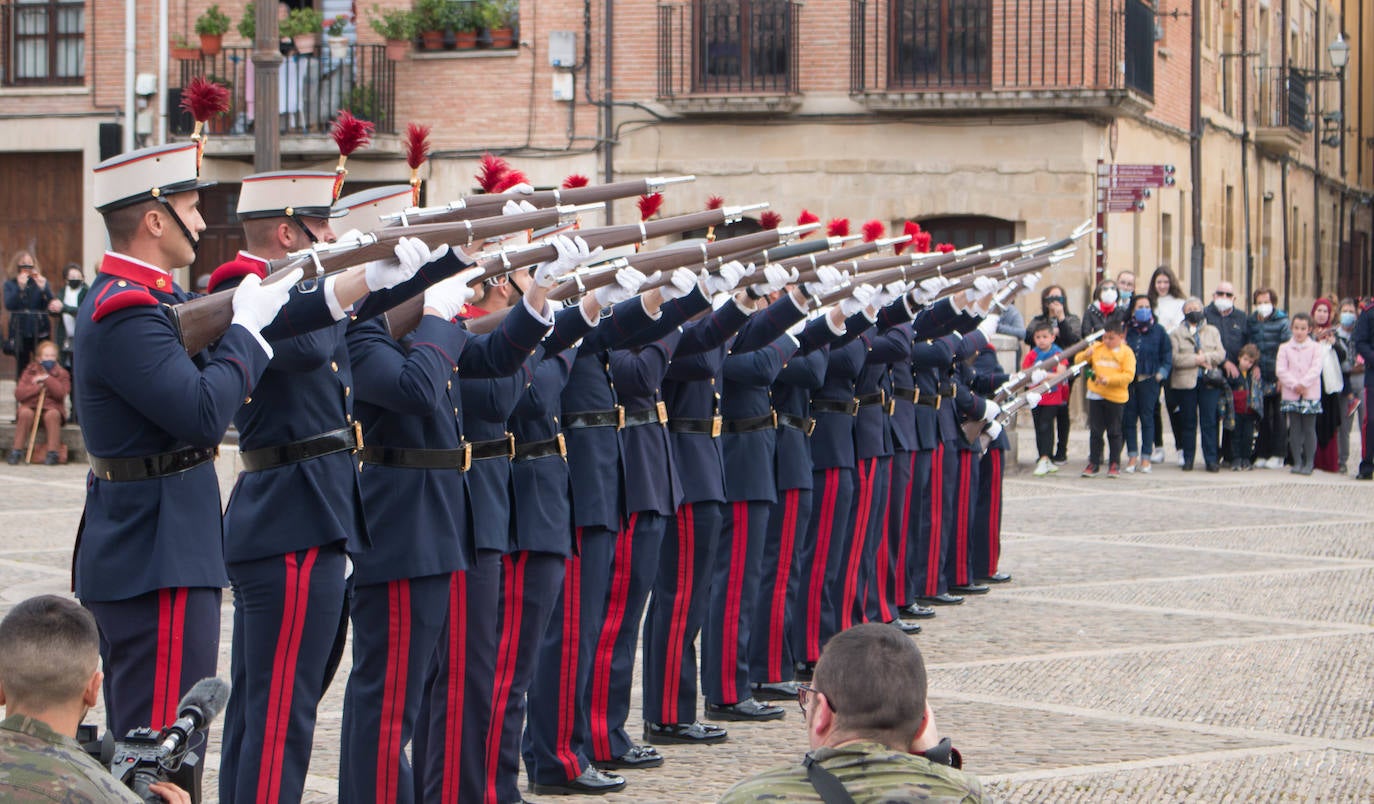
<point>1339,53</point>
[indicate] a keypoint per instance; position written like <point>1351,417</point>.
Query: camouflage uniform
<point>39,765</point>
<point>871,772</point>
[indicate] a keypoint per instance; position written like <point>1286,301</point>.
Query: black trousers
<point>1045,420</point>
<point>1104,418</point>
<point>1272,435</point>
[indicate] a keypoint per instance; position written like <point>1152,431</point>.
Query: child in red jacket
<point>1052,404</point>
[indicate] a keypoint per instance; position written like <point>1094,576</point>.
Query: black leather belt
<point>804,423</point>
<point>767,421</point>
<point>122,470</point>
<point>459,458</point>
<point>615,417</point>
<point>876,398</point>
<point>344,439</point>
<point>658,414</point>
<point>495,448</point>
<point>710,427</point>
<point>530,450</point>
<point>932,401</point>
<point>906,394</point>
<point>848,407</point>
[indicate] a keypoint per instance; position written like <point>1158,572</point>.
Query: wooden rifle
<point>1018,381</point>
<point>480,206</point>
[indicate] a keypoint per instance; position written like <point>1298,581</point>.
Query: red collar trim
<point>145,275</point>
<point>241,266</point>
<point>471,311</point>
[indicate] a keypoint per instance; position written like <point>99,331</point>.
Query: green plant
<point>364,102</point>
<point>213,22</point>
<point>248,23</point>
<point>181,42</point>
<point>505,13</point>
<point>338,24</point>
<point>394,25</point>
<point>433,15</point>
<point>302,21</point>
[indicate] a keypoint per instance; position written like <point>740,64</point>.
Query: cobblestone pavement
<point>1167,637</point>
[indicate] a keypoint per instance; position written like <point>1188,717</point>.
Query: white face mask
<point>1264,310</point>
<point>1223,304</point>
<point>1108,296</point>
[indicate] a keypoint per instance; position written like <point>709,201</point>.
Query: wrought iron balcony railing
<point>727,47</point>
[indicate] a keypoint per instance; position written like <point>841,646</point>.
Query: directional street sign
<point>1134,181</point>
<point>1121,206</point>
<point>1124,194</point>
<point>1136,170</point>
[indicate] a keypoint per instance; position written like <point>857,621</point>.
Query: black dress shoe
<point>970,589</point>
<point>746,710</point>
<point>1212,467</point>
<point>591,782</point>
<point>639,756</point>
<point>916,612</point>
<point>776,691</point>
<point>1365,476</point>
<point>1001,577</point>
<point>904,626</point>
<point>1187,467</point>
<point>804,670</point>
<point>943,599</point>
<point>697,733</point>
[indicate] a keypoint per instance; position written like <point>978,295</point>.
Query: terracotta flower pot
<point>211,44</point>
<point>502,38</point>
<point>432,40</point>
<point>465,40</point>
<point>305,43</point>
<point>396,49</point>
<point>185,53</point>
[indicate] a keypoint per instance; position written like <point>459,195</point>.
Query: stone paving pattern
<point>1167,637</point>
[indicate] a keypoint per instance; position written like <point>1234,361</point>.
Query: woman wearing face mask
<point>1197,348</point>
<point>1352,381</point>
<point>1153,359</point>
<point>1268,328</point>
<point>1324,322</point>
<point>1103,308</point>
<point>69,299</point>
<point>27,297</point>
<point>43,373</point>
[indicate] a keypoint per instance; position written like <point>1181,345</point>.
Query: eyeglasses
<point>26,267</point>
<point>803,691</point>
<point>1223,293</point>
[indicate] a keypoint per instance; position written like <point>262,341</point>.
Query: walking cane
<point>37,420</point>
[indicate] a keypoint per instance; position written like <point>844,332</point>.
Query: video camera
<point>146,756</point>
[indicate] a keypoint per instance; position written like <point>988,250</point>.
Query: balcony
<point>311,89</point>
<point>961,56</point>
<point>728,56</point>
<point>43,43</point>
<point>1283,122</point>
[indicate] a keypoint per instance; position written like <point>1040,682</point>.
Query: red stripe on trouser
<point>778,610</point>
<point>513,579</point>
<point>164,648</point>
<point>881,573</point>
<point>616,604</point>
<point>937,501</point>
<point>682,601</point>
<point>995,513</point>
<point>961,519</point>
<point>734,591</point>
<point>856,543</point>
<point>457,674</point>
<point>394,691</point>
<point>177,638</point>
<point>899,572</point>
<point>816,586</point>
<point>295,602</point>
<point>567,675</point>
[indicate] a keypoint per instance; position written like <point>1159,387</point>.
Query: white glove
<point>514,207</point>
<point>411,253</point>
<point>935,284</point>
<point>775,278</point>
<point>988,326</point>
<point>1038,376</point>
<point>449,296</point>
<point>828,280</point>
<point>1032,399</point>
<point>994,430</point>
<point>859,300</point>
<point>351,236</point>
<point>572,252</point>
<point>1029,281</point>
<point>521,188</point>
<point>982,286</point>
<point>796,329</point>
<point>626,284</point>
<point>680,283</point>
<point>256,304</point>
<point>990,410</point>
<point>729,277</point>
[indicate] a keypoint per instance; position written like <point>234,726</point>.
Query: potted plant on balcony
<point>338,43</point>
<point>464,18</point>
<point>248,24</point>
<point>430,18</point>
<point>499,18</point>
<point>183,50</point>
<point>397,27</point>
<point>303,25</point>
<point>212,26</point>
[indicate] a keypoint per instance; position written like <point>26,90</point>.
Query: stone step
<point>71,438</point>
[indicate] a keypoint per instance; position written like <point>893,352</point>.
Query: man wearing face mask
<point>1235,333</point>
<point>1268,327</point>
<point>1104,308</point>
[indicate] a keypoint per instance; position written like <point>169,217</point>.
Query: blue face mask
<point>1347,320</point>
<point>49,364</point>
<point>1143,315</point>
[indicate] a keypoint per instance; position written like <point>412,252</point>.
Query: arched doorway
<point>969,230</point>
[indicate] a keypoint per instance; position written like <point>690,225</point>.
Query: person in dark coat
<point>1268,327</point>
<point>27,299</point>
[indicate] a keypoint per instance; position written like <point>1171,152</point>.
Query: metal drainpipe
<point>1245,144</point>
<point>608,110</point>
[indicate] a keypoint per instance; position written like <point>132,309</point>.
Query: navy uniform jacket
<point>487,404</point>
<point>984,377</point>
<point>914,426</point>
<point>873,425</point>
<point>651,476</point>
<point>141,395</point>
<point>803,374</point>
<point>747,393</point>
<point>832,441</point>
<point>965,404</point>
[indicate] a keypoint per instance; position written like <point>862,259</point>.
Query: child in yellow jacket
<point>1111,368</point>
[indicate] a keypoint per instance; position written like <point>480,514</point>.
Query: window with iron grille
<point>44,42</point>
<point>938,43</point>
<point>744,45</point>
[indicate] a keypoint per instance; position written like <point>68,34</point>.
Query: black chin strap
<point>190,238</point>
<point>308,234</point>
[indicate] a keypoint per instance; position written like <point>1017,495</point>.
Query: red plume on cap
<point>349,134</point>
<point>807,216</point>
<point>417,151</point>
<point>922,242</point>
<point>203,99</point>
<point>913,229</point>
<point>512,178</point>
<point>945,248</point>
<point>715,202</point>
<point>838,227</point>
<point>575,180</point>
<point>490,172</point>
<point>649,205</point>
<point>873,230</point>
<point>770,219</point>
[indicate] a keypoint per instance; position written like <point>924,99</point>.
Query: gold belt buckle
<point>853,407</point>
<point>915,395</point>
<point>620,417</point>
<point>810,427</point>
<point>774,414</point>
<point>357,436</point>
<point>891,406</point>
<point>510,446</point>
<point>715,426</point>
<point>562,445</point>
<point>662,408</point>
<point>938,400</point>
<point>467,456</point>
